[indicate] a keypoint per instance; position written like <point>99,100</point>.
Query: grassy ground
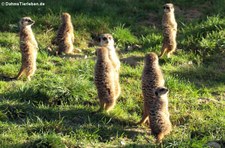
<point>56,108</point>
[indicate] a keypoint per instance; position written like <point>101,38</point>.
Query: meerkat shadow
<point>6,78</point>
<point>162,61</point>
<point>101,113</point>
<point>74,56</point>
<point>133,61</point>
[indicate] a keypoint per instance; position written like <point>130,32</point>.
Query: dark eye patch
<point>166,7</point>
<point>104,38</point>
<point>28,20</point>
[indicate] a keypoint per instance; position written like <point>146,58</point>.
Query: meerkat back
<point>65,35</point>
<point>104,80</point>
<point>152,77</point>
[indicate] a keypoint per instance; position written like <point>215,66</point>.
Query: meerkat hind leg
<point>169,55</point>
<point>28,78</point>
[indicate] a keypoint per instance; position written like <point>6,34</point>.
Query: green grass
<point>56,108</point>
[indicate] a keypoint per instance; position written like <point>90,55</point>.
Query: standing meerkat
<point>104,80</point>
<point>28,48</point>
<point>106,40</point>
<point>159,115</point>
<point>65,35</point>
<point>169,25</point>
<point>152,78</point>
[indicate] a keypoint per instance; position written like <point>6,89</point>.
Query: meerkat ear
<point>20,22</point>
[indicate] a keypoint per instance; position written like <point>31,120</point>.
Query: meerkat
<point>106,40</point>
<point>28,48</point>
<point>169,25</point>
<point>159,115</point>
<point>104,80</point>
<point>65,35</point>
<point>152,78</point>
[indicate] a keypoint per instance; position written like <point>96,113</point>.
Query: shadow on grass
<point>6,78</point>
<point>133,61</point>
<point>210,74</point>
<point>55,120</point>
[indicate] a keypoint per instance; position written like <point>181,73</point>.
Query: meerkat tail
<point>118,88</point>
<point>20,73</point>
<point>144,119</point>
<point>164,50</point>
<point>159,137</point>
<point>173,48</point>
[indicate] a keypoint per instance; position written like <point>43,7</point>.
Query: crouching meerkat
<point>28,48</point>
<point>104,80</point>
<point>65,35</point>
<point>107,41</point>
<point>152,78</point>
<point>159,115</point>
<point>169,25</point>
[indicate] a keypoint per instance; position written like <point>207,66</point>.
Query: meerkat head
<point>168,8</point>
<point>26,21</point>
<point>106,40</point>
<point>161,92</point>
<point>151,58</point>
<point>65,17</point>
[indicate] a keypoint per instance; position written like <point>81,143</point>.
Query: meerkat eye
<point>166,7</point>
<point>27,20</point>
<point>104,38</point>
<point>110,38</point>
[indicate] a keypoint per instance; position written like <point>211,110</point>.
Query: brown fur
<point>106,40</point>
<point>104,80</point>
<point>152,78</point>
<point>65,35</point>
<point>169,31</point>
<point>28,47</point>
<point>159,115</point>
